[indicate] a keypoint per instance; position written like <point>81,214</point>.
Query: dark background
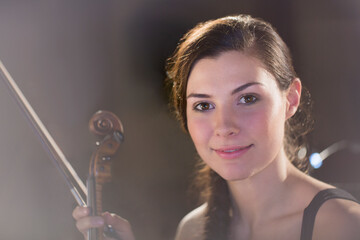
<point>72,58</point>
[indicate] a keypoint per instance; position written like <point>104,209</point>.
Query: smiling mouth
<point>232,152</point>
<point>232,149</point>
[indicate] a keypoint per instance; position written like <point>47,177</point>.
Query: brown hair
<point>253,37</point>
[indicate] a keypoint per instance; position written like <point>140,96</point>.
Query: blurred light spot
<point>315,160</point>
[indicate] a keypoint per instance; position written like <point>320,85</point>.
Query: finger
<point>120,225</point>
<point>85,223</point>
<point>80,212</point>
<point>116,221</point>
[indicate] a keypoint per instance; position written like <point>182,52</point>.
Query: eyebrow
<point>236,90</point>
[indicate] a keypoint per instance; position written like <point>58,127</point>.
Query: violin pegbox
<point>106,126</point>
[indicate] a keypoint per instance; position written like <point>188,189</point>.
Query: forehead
<point>228,70</point>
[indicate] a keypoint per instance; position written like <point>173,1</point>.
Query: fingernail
<point>85,210</point>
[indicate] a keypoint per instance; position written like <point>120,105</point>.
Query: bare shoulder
<point>192,225</point>
<point>338,219</point>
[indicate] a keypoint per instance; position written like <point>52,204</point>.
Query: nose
<point>226,123</point>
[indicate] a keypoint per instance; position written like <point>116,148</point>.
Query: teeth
<point>230,151</point>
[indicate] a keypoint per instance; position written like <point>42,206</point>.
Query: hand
<point>84,222</point>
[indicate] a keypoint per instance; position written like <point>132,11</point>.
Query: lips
<point>232,151</point>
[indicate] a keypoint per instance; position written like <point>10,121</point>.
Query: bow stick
<point>107,147</point>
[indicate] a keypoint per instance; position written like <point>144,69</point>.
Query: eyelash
<point>199,106</point>
<point>247,99</point>
<point>253,99</point>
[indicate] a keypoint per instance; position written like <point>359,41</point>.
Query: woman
<point>235,91</point>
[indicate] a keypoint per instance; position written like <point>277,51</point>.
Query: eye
<point>248,99</point>
<point>203,106</point>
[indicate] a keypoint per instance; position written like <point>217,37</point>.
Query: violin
<point>106,126</point>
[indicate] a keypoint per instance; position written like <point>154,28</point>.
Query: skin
<point>236,115</point>
<point>119,224</point>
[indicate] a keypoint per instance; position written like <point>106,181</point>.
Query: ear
<point>293,96</point>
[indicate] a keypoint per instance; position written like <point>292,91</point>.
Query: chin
<point>234,175</point>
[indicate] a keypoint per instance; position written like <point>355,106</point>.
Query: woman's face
<point>236,114</point>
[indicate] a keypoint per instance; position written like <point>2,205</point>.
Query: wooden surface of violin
<point>109,129</point>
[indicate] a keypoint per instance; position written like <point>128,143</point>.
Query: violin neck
<point>94,202</point>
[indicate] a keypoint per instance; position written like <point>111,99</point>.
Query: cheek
<point>267,123</point>
<point>196,130</point>
<point>273,127</point>
<point>199,130</point>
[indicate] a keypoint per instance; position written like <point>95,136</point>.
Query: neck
<point>256,199</point>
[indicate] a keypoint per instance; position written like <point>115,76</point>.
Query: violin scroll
<point>104,122</point>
